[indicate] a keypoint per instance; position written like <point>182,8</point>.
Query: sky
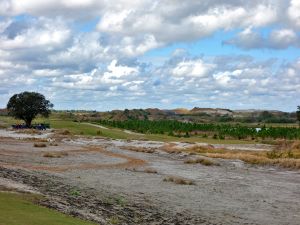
<point>103,55</point>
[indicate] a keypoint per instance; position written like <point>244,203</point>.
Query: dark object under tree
<point>27,105</point>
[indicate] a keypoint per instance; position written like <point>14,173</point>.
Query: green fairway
<point>88,129</point>
<point>77,128</point>
<point>115,133</point>
<point>18,209</point>
<point>7,121</point>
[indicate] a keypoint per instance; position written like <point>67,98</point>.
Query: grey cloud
<point>277,39</point>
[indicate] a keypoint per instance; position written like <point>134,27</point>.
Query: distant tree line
<point>186,129</point>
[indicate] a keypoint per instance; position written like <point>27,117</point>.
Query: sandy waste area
<point>100,179</point>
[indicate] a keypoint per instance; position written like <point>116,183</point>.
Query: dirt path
<point>95,125</point>
<point>113,181</point>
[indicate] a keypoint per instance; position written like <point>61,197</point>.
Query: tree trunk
<point>28,123</point>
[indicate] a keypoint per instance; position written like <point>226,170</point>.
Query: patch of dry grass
<point>204,149</point>
<point>139,149</point>
<point>146,170</point>
<point>29,131</point>
<point>33,139</point>
<point>205,162</point>
<point>39,145</point>
<point>55,154</point>
<point>285,155</point>
<point>53,144</point>
<point>171,148</point>
<point>150,170</point>
<point>179,180</point>
<point>63,132</point>
<point>290,163</point>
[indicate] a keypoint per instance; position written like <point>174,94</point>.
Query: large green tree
<point>27,105</point>
<point>298,114</point>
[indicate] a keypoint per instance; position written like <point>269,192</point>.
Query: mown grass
<point>10,120</point>
<point>77,128</point>
<point>19,209</point>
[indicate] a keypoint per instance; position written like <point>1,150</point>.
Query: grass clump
<point>171,148</point>
<point>139,149</point>
<point>55,154</point>
<point>150,170</point>
<point>120,200</point>
<point>74,192</point>
<point>64,132</point>
<point>39,145</point>
<point>205,162</point>
<point>179,180</point>
<point>29,131</point>
<point>53,144</point>
<point>114,220</point>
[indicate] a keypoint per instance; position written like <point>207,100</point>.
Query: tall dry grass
<point>55,154</point>
<point>39,145</point>
<point>203,161</point>
<point>285,155</point>
<point>179,180</point>
<point>139,149</point>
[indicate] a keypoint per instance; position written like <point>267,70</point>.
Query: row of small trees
<point>173,127</point>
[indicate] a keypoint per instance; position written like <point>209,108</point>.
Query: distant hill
<point>197,114</point>
<point>211,111</point>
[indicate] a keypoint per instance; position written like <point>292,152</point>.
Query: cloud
<point>119,71</point>
<point>119,52</point>
<point>294,13</point>
<point>284,38</point>
<point>194,68</point>
<point>33,39</point>
<point>277,39</point>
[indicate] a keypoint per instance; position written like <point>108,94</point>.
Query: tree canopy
<point>27,105</point>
